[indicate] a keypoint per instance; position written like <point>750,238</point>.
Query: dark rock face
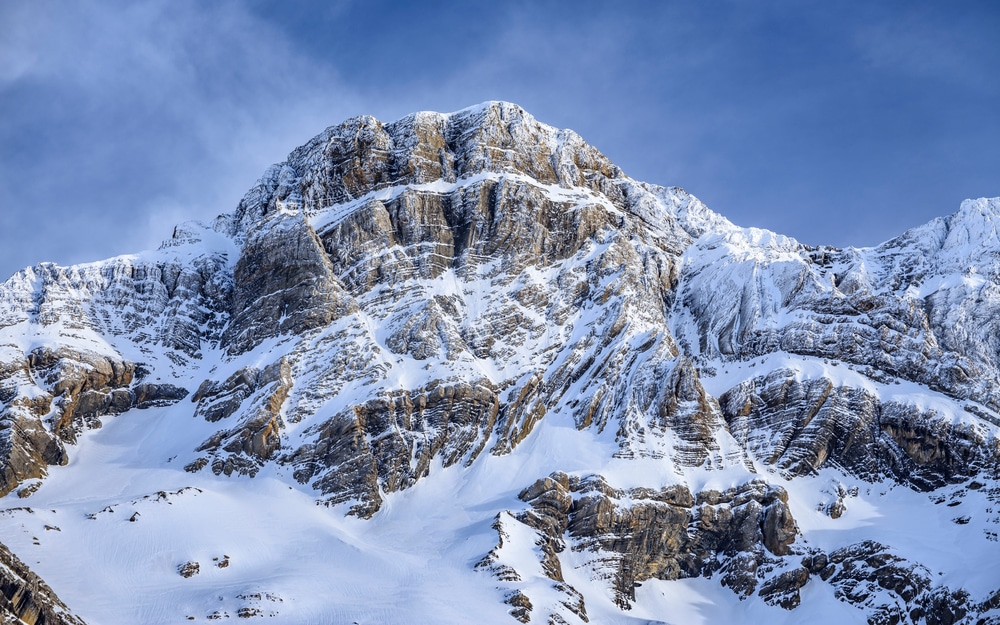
<point>25,598</point>
<point>894,590</point>
<point>156,395</point>
<point>283,284</point>
<point>26,446</point>
<point>740,535</point>
<point>71,389</point>
<point>81,382</point>
<point>801,425</point>
<point>668,533</point>
<point>389,443</point>
<point>783,590</point>
<point>244,447</point>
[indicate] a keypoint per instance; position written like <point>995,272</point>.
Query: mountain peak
<point>363,155</point>
<point>547,391</point>
<point>985,206</point>
<point>973,227</point>
<point>490,110</point>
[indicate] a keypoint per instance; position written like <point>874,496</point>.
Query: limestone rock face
<point>668,533</point>
<point>470,255</point>
<point>55,394</point>
<point>387,444</point>
<point>468,301</point>
<point>283,284</point>
<point>255,437</point>
<point>895,590</point>
<point>171,298</point>
<point>53,388</point>
<point>801,425</point>
<point>24,598</point>
<point>919,307</point>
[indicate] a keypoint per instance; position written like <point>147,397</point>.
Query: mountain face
<point>460,367</point>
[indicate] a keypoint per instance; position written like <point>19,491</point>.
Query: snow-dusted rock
<point>800,425</point>
<point>24,598</point>
<point>441,309</point>
<point>667,533</point>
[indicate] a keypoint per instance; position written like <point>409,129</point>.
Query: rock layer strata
<point>398,299</point>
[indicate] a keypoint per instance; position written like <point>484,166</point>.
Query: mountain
<point>461,368</point>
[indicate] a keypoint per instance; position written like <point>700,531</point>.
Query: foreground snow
<point>297,562</point>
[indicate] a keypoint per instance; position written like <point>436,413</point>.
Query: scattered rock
<point>521,604</point>
<point>196,465</point>
<point>665,534</point>
<point>26,598</point>
<point>783,590</point>
<point>189,569</point>
<point>29,490</point>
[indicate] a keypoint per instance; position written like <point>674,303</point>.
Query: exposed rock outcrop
<point>894,590</point>
<point>52,395</point>
<point>387,444</point>
<point>283,284</point>
<point>667,533</point>
<point>449,289</point>
<point>259,396</point>
<point>26,599</point>
<point>800,425</point>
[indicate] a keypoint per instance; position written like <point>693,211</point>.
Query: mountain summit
<point>460,367</point>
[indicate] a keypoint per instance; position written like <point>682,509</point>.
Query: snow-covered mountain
<point>461,368</point>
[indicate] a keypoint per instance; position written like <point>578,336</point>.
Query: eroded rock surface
<point>257,396</point>
<point>800,425</point>
<point>895,590</point>
<point>666,533</point>
<point>52,395</point>
<point>25,598</point>
<point>396,299</point>
<point>389,443</point>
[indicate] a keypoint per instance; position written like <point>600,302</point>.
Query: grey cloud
<point>823,120</point>
<point>122,119</point>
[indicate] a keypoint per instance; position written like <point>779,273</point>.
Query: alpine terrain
<point>460,368</point>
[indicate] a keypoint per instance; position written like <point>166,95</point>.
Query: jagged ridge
<point>397,299</point>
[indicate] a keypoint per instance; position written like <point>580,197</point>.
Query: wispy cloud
<point>155,104</point>
<point>118,119</point>
<point>918,42</point>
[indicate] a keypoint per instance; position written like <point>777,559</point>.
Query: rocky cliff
<point>479,300</point>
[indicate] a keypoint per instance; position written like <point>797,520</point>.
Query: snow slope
<point>342,401</point>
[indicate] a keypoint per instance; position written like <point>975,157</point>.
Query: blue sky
<point>839,123</point>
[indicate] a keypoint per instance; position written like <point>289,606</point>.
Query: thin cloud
<point>117,116</point>
<point>175,100</point>
<point>921,43</point>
